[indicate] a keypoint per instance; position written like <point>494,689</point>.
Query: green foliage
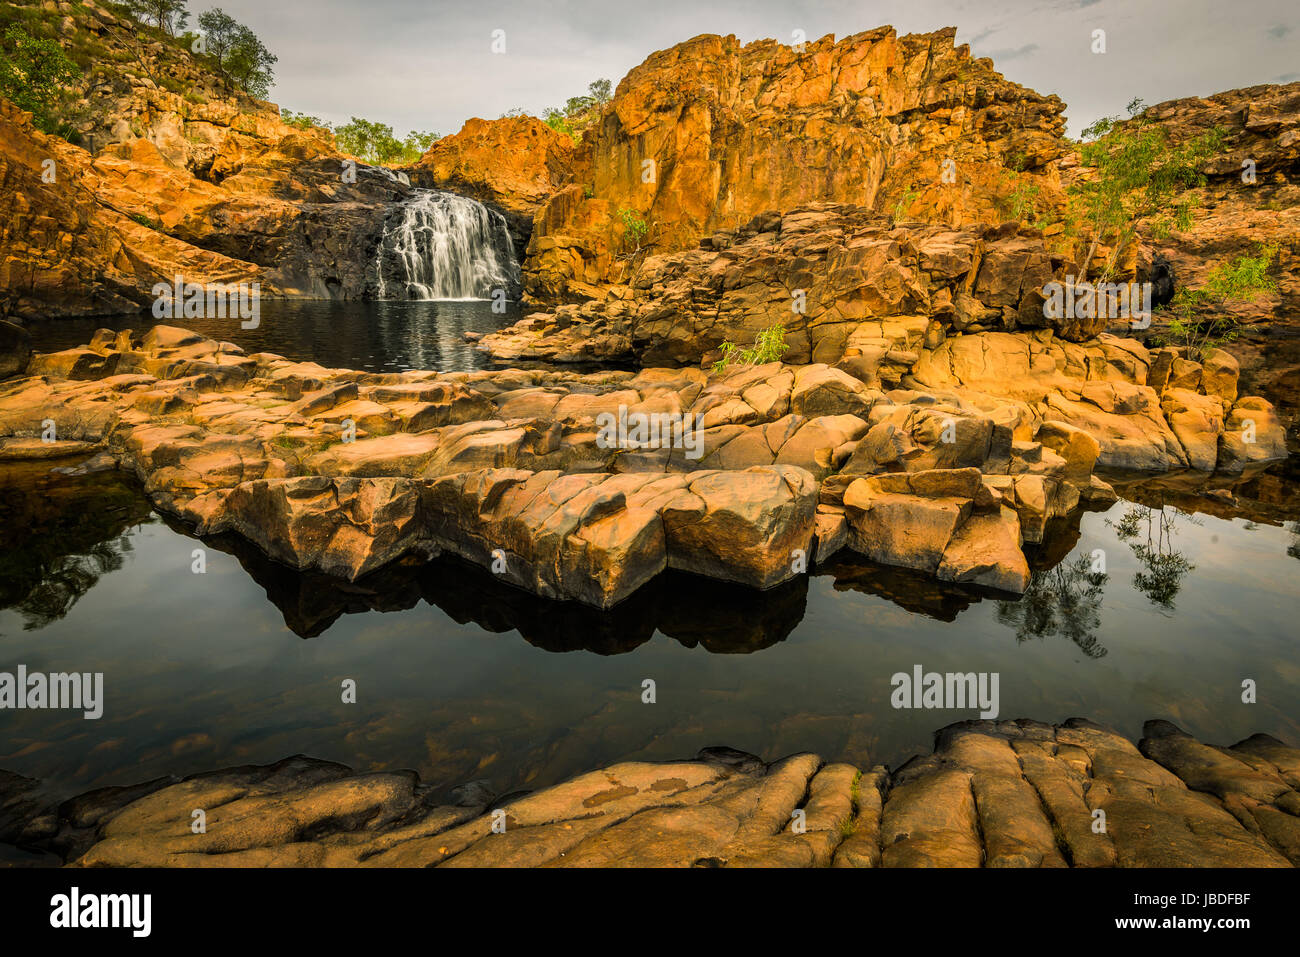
<point>903,205</point>
<point>236,53</point>
<point>417,143</point>
<point>770,346</point>
<point>303,121</point>
<point>1137,174</point>
<point>34,75</point>
<point>578,112</point>
<point>600,91</point>
<point>169,16</point>
<point>375,142</point>
<point>145,221</point>
<point>1021,204</point>
<point>1198,320</point>
<point>634,227</point>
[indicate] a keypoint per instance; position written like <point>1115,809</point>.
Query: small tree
<point>34,76</point>
<point>903,205</point>
<point>303,121</point>
<point>375,142</point>
<point>599,91</point>
<point>769,346</point>
<point>417,144</point>
<point>634,227</point>
<point>237,53</point>
<point>169,16</point>
<point>1198,320</point>
<point>1137,175</point>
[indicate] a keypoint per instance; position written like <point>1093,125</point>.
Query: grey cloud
<point>426,65</point>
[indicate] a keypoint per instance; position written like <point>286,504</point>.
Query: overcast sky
<point>427,64</point>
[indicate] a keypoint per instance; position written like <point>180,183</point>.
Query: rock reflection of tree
<point>1064,600</point>
<point>58,538</point>
<point>1294,548</point>
<point>1163,566</point>
<point>67,579</point>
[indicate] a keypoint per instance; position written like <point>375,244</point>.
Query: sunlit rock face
<point>560,484</point>
<point>512,165</point>
<point>707,134</point>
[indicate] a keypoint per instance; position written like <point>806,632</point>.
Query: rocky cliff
<point>708,134</point>
<point>514,165</point>
<point>1251,197</point>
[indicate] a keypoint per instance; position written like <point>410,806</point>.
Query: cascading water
<point>443,246</point>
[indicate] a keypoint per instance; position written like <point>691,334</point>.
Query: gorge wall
<point>708,134</point>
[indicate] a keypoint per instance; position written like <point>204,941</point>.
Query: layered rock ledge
<point>346,471</point>
<point>992,794</point>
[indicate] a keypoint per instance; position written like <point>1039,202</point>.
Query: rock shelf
<point>992,794</point>
<point>345,471</point>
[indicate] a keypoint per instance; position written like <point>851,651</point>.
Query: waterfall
<point>443,246</point>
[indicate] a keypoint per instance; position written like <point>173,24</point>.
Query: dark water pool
<point>374,336</point>
<point>463,678</point>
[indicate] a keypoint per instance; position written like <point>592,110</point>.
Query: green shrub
<point>770,346</point>
<point>1136,174</point>
<point>634,227</point>
<point>1198,320</point>
<point>34,76</point>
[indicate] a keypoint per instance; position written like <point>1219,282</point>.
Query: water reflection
<point>462,677</point>
<point>1149,532</point>
<point>1065,601</point>
<point>721,617</point>
<point>60,537</point>
<point>371,336</point>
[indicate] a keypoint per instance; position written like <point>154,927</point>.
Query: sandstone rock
<point>986,551</point>
<point>710,109</point>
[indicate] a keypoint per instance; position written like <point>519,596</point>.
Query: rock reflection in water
<point>721,617</point>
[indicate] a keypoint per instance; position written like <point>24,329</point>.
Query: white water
<point>446,247</point>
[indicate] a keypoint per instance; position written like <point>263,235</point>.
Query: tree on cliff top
<point>34,76</point>
<point>1137,174</point>
<point>237,53</point>
<point>376,143</point>
<point>169,16</point>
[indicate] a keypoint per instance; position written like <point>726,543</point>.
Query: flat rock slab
<point>586,486</point>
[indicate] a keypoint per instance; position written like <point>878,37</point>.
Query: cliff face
<point>71,248</point>
<point>513,164</point>
<point>708,134</point>
<point>1235,215</point>
<point>137,84</point>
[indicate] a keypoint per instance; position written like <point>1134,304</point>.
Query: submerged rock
<point>992,794</point>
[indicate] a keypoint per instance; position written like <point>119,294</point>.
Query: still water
<point>463,678</point>
<point>373,336</point>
